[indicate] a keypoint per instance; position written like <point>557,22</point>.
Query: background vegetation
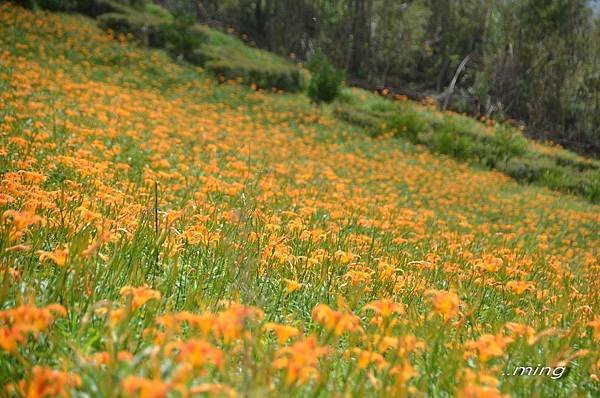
<point>501,147</point>
<point>536,61</point>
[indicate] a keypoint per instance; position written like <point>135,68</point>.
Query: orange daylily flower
<point>17,323</point>
<point>385,307</point>
<point>444,303</point>
<point>135,386</point>
<point>46,382</point>
<point>300,360</point>
<point>139,295</point>
<point>283,332</point>
<point>337,322</point>
<point>58,256</point>
<point>292,285</point>
<point>488,346</point>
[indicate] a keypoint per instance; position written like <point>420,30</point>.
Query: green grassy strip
<point>498,147</point>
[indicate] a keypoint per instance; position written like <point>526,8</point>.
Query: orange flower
<point>104,357</point>
<point>140,295</point>
<point>344,257</point>
<point>335,321</point>
<point>213,389</point>
<point>292,285</point>
<point>444,303</point>
<point>230,323</point>
<point>58,256</point>
<point>283,332</point>
<point>19,221</point>
<point>477,391</point>
<point>17,323</point>
<point>488,346</point>
<point>47,382</point>
<point>479,385</point>
<point>364,358</point>
<point>145,388</point>
<point>518,329</point>
<point>519,287</point>
<point>115,315</point>
<point>403,372</point>
<point>595,324</point>
<point>197,352</point>
<point>357,276</point>
<point>300,360</point>
<point>385,307</point>
<point>202,322</point>
<point>490,263</point>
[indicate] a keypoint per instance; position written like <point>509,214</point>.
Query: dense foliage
<point>326,82</point>
<point>533,60</point>
<point>485,143</point>
<point>536,61</point>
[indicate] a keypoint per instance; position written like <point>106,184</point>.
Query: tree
<point>325,83</point>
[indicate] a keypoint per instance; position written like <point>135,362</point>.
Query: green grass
<point>500,147</point>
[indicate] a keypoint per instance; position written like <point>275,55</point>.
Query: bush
<point>230,58</point>
<point>527,169</point>
<point>219,53</point>
<point>288,79</point>
<point>56,5</point>
<point>506,144</point>
<point>159,12</point>
<point>183,40</point>
<point>546,171</point>
<point>92,8</point>
<point>408,123</point>
<point>145,29</point>
<point>458,146</point>
<point>27,4</point>
<point>369,121</point>
<point>326,82</point>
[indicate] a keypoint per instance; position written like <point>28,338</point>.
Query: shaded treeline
<point>533,60</point>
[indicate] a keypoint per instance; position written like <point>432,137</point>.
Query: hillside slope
<point>165,234</point>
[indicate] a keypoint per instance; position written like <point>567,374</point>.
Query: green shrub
<point>526,169</point>
<point>91,8</point>
<point>145,29</point>
<point>27,4</point>
<point>546,171</point>
<point>158,11</point>
<point>564,158</point>
<point>408,123</point>
<point>64,5</point>
<point>346,97</point>
<point>383,106</point>
<point>458,146</point>
<point>326,81</point>
<point>288,79</point>
<point>94,8</point>
<point>359,117</point>
<point>183,40</point>
<point>506,144</point>
<point>219,53</point>
<point>590,185</point>
<point>56,5</point>
<point>557,179</point>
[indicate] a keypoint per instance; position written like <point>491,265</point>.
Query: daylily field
<point>163,234</point>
